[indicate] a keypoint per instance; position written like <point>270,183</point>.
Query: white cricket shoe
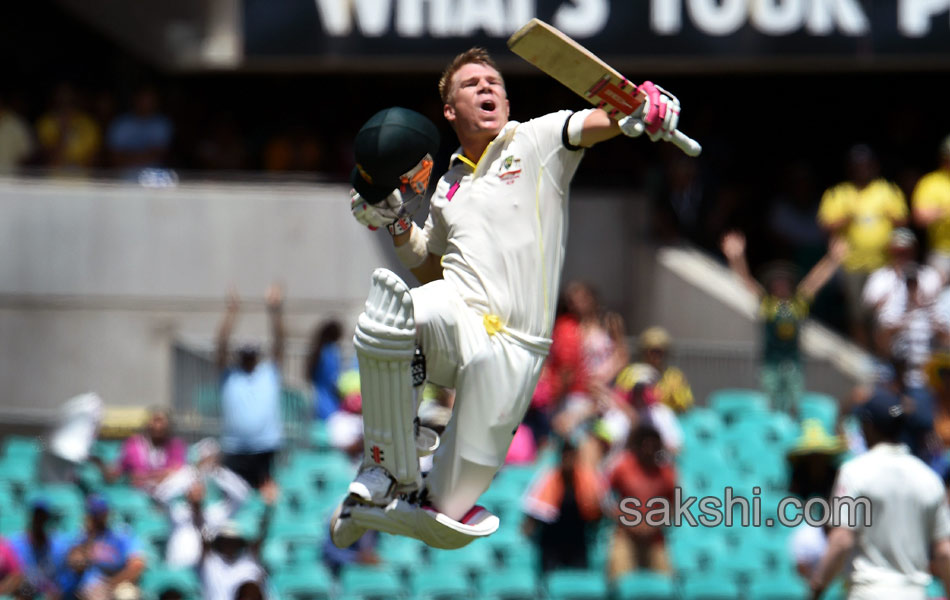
<point>373,485</point>
<point>344,532</point>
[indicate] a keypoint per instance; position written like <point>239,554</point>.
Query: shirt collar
<point>458,157</point>
<point>889,448</point>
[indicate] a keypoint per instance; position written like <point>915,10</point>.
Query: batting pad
<point>385,343</point>
<point>434,528</point>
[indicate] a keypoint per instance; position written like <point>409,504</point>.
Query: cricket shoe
<point>373,485</point>
<point>344,532</point>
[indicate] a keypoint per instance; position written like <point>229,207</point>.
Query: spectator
<point>603,346</point>
<point>345,426</point>
<point>563,380</point>
<point>109,556</point>
<point>150,457</point>
<point>672,388</point>
<point>69,443</point>
<point>184,544</point>
<point>931,207</point>
<point>249,590</point>
<point>793,216</point>
<point>323,367</point>
<point>140,138</point>
<point>16,141</point>
<point>68,136</point>
<point>10,569</point>
<point>39,550</point>
<point>886,288</point>
<point>561,508</point>
<point>642,472</point>
<point>228,559</point>
<point>864,210</point>
<point>893,550</point>
<point>251,428</point>
<point>782,307</point>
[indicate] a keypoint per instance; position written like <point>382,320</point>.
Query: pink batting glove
<point>656,108</point>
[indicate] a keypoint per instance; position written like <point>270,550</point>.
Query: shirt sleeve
<point>831,209</point>
<point>941,524</point>
<point>897,207</point>
<point>925,196</point>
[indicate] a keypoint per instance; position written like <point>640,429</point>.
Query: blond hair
<point>472,55</point>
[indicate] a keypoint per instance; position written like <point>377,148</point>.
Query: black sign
<point>374,35</point>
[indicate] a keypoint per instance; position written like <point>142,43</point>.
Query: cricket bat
<point>580,70</point>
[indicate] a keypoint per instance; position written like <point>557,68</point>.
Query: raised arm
<point>733,247</point>
<point>409,249</point>
<point>819,275</point>
<point>224,331</point>
<point>275,312</point>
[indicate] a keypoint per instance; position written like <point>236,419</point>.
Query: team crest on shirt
<point>510,169</point>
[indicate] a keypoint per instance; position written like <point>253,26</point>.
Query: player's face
<point>479,103</point>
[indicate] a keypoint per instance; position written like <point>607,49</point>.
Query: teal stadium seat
<point>835,591</point>
<point>734,405</point>
<point>370,583</point>
<point>701,427</point>
<point>709,586</point>
<point>576,584</point>
<point>307,582</point>
<point>477,557</point>
<point>645,585</point>
<point>785,587</point>
<point>821,407</point>
<point>510,583</point>
<point>155,580</point>
<point>440,584</point>
<point>22,447</point>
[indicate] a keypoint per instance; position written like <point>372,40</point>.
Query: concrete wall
<point>98,280</point>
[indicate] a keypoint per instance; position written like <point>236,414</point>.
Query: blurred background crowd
<point>834,208</point>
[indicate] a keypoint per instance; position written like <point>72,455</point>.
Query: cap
<point>883,410</point>
<point>97,505</point>
<point>388,146</point>
<point>655,337</point>
<point>815,440</point>
<point>902,237</point>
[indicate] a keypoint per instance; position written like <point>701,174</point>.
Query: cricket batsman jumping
<point>489,259</point>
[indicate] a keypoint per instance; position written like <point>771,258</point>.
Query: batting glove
<point>658,116</point>
<point>389,213</point>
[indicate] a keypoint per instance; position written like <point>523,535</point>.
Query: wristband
<point>575,126</point>
<point>414,252</point>
<point>400,225</point>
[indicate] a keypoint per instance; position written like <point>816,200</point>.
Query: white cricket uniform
<point>501,229</point>
<point>909,513</point>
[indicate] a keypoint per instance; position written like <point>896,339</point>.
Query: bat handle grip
<point>688,145</point>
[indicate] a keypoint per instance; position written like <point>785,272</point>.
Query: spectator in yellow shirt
<point>931,205</point>
<point>864,210</point>
<point>68,136</point>
<point>672,387</point>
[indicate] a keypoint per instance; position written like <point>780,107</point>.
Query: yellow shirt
<point>80,137</point>
<point>933,191</point>
<point>872,212</point>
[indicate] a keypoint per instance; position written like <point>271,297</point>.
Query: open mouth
<point>488,105</point>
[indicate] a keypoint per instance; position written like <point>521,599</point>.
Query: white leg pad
<point>434,528</point>
<point>385,343</point>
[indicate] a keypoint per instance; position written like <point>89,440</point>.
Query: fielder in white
<point>490,259</point>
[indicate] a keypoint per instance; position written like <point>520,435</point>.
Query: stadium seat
<point>511,583</point>
<point>708,586</point>
<point>308,582</point>
<point>835,591</point>
<point>20,447</point>
<point>645,585</point>
<point>784,587</point>
<point>474,558</point>
<point>571,584</point>
<point>440,584</point>
<point>19,473</point>
<point>401,552</point>
<point>734,405</point>
<point>701,426</point>
<point>821,407</point>
<point>107,450</point>
<point>155,580</point>
<point>370,583</point>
